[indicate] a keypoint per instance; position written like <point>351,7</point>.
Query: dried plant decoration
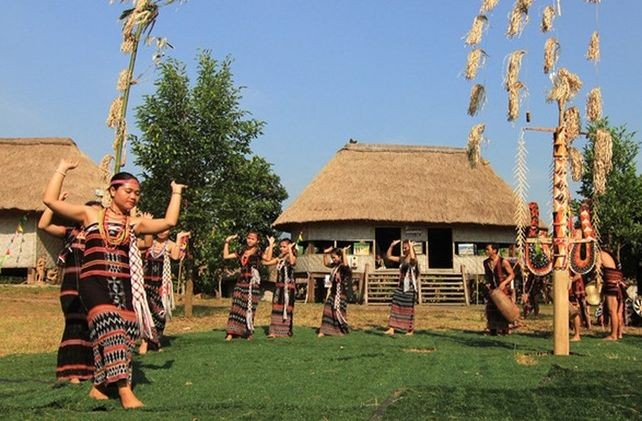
<point>487,6</point>
<point>514,98</point>
<point>572,123</point>
<point>577,164</point>
<point>593,52</point>
<point>594,1</point>
<point>518,18</point>
<point>476,59</point>
<point>548,15</point>
<point>551,54</point>
<point>602,159</point>
<point>520,192</point>
<point>565,86</point>
<point>104,168</point>
<point>473,148</point>
<point>477,99</point>
<point>115,110</point>
<point>594,105</point>
<point>474,36</point>
<point>124,80</point>
<point>514,65</point>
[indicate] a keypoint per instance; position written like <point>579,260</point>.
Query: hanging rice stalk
<point>477,99</point>
<point>514,100</point>
<point>115,109</point>
<point>551,54</point>
<point>487,6</point>
<point>565,86</point>
<point>594,105</point>
<point>520,191</point>
<point>593,52</point>
<point>124,80</point>
<point>603,154</point>
<point>475,34</point>
<point>593,1</point>
<point>473,148</point>
<point>514,65</point>
<point>476,59</point>
<point>572,123</point>
<point>577,163</point>
<point>104,168</point>
<point>547,18</point>
<point>518,18</point>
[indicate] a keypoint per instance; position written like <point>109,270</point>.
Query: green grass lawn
<point>365,375</point>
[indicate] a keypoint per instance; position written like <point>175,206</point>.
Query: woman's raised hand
<point>177,188</point>
<point>230,238</point>
<point>67,164</point>
<point>328,249</point>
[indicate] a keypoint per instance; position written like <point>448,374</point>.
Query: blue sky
<point>321,72</point>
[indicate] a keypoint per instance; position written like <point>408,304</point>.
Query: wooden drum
<point>505,305</point>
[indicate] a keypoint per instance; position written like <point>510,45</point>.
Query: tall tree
<point>200,136</point>
<point>619,209</point>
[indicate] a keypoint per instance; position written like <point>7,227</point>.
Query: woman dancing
<point>334,320</point>
<point>75,354</point>
<point>158,285</point>
<point>246,295</point>
<point>613,291</point>
<point>285,292</point>
<point>111,284</point>
<point>402,309</point>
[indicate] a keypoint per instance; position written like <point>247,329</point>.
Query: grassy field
<point>449,369</point>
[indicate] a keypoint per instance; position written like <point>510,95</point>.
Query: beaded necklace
<point>112,240</point>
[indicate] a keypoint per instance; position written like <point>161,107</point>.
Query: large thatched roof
<point>26,164</point>
<point>402,184</point>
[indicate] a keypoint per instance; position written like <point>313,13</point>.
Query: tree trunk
<point>189,294</point>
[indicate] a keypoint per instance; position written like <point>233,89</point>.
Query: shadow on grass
<point>200,310</point>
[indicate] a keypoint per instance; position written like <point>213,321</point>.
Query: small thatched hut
<point>26,165</point>
<point>369,195</point>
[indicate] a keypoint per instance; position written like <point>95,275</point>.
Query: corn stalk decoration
<point>138,21</point>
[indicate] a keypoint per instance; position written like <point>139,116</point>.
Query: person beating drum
<point>499,274</point>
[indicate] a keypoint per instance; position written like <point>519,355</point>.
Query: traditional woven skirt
<point>402,310</point>
<point>237,320</point>
<point>330,322</point>
<point>496,321</point>
<point>113,327</point>
<point>155,302</point>
<point>75,354</point>
<point>280,326</point>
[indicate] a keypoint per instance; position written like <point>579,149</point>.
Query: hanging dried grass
<point>487,6</point>
<point>518,18</point>
<point>593,52</point>
<point>602,159</point>
<point>115,110</point>
<point>547,18</point>
<point>475,34</point>
<point>476,59</point>
<point>594,1</point>
<point>514,65</point>
<point>477,99</point>
<point>551,54</point>
<point>594,105</point>
<point>127,46</point>
<point>473,149</point>
<point>124,80</point>
<point>577,164</point>
<point>565,86</point>
<point>572,123</point>
<point>104,168</point>
<point>514,100</point>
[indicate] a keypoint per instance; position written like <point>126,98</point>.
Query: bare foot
<point>610,338</point>
<point>410,333</point>
<point>142,350</point>
<point>575,339</point>
<point>74,380</point>
<point>389,332</point>
<point>97,394</point>
<point>320,335</point>
<point>249,338</point>
<point>127,398</point>
<point>228,338</point>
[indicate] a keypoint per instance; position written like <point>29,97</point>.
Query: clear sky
<point>321,72</point>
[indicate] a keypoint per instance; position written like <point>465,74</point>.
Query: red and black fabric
<point>495,275</point>
<point>282,317</point>
<point>334,321</point>
<point>75,355</point>
<point>240,321</point>
<point>105,289</point>
<point>153,273</point>
<point>402,308</point>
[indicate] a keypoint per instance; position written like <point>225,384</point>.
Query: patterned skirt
<point>237,320</point>
<point>402,310</point>
<point>113,327</point>
<point>280,325</point>
<point>331,324</point>
<point>75,354</point>
<point>155,302</point>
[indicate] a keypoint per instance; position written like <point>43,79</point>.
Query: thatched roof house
<point>26,165</point>
<point>371,193</point>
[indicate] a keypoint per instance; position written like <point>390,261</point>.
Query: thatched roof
<point>402,184</point>
<point>26,164</point>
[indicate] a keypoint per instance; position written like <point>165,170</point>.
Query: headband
<point>118,183</point>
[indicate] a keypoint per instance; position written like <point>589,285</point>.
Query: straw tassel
<point>551,54</point>
<point>577,164</point>
<point>572,123</point>
<point>115,109</point>
<point>514,100</point>
<point>487,6</point>
<point>518,18</point>
<point>520,191</point>
<point>477,99</point>
<point>593,52</point>
<point>594,105</point>
<point>547,19</point>
<point>475,34</point>
<point>476,59</point>
<point>514,66</point>
<point>139,297</point>
<point>565,86</point>
<point>475,137</point>
<point>602,159</point>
